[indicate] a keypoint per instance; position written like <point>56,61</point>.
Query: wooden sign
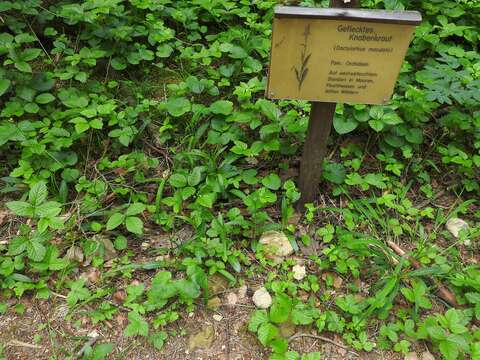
<point>338,55</point>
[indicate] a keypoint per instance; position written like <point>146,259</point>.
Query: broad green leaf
<point>272,181</point>
<point>312,356</point>
<point>187,289</point>
<point>114,221</point>
<point>38,193</point>
<point>449,350</point>
<point>18,245</point>
<point>178,180</point>
<point>281,308</point>
<point>136,325</point>
<point>135,209</point>
<point>344,124</point>
<point>44,98</point>
<point>134,225</point>
<point>207,200</point>
<point>30,54</point>
<point>48,209</point>
<point>120,242</point>
<point>158,339</point>
<point>266,333</point>
<point>23,66</point>
<point>269,109</point>
<point>334,172</point>
<point>376,125</point>
<point>222,107</point>
<point>195,176</point>
<point>4,85</point>
<point>304,315</point>
<point>101,351</point>
<point>21,208</point>
<point>178,106</point>
<point>36,251</point>
<point>258,318</point>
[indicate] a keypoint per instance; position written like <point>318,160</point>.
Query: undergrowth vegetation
<point>125,121</point>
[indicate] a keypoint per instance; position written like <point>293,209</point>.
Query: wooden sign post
<point>334,55</point>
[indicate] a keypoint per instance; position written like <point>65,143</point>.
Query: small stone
<point>93,334</point>
<point>217,317</point>
<point>217,283</point>
<point>232,299</point>
<point>242,291</point>
<point>411,356</point>
<point>426,355</point>
<point>262,299</point>
<point>203,339</point>
<point>455,225</point>
<point>214,303</point>
<point>276,244</point>
<point>299,272</point>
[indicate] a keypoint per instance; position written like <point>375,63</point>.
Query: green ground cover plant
<point>120,119</point>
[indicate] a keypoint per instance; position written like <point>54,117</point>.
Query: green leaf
<point>266,333</point>
<point>135,209</point>
<point>344,124</point>
<point>178,106</point>
<point>30,54</point>
<point>272,181</point>
<point>158,339</point>
<point>414,136</point>
<point>134,225</point>
<point>38,193</point>
<point>258,318</point>
<point>195,176</point>
<point>118,64</point>
<point>4,85</point>
<point>101,351</point>
<point>449,350</point>
<point>312,356</point>
<point>376,180</point>
<point>114,221</point>
<point>96,124</point>
<point>77,292</point>
<point>334,173</point>
<point>36,251</point>
<point>376,112</point>
<point>222,107</point>
<point>178,180</point>
<point>281,308</point>
<point>44,98</point>
<point>436,332</point>
<point>392,118</point>
<point>73,98</point>
<point>48,209</point>
<point>120,242</point>
<point>136,325</point>
<point>21,208</point>
<point>207,200</point>
<point>303,314</point>
<point>18,245</point>
<point>187,289</point>
<point>23,66</point>
<point>269,109</point>
<point>376,125</point>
